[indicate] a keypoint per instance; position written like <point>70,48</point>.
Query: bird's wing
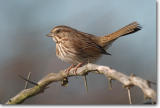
<point>86,47</point>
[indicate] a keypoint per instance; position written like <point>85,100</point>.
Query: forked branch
<point>127,81</point>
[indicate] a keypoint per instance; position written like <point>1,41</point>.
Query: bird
<point>78,48</point>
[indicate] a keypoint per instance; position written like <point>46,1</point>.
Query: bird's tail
<point>128,29</point>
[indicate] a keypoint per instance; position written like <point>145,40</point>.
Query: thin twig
<point>26,84</point>
<point>129,95</point>
<point>85,83</point>
<point>110,83</point>
<point>31,82</point>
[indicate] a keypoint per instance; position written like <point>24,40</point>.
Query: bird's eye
<point>57,31</point>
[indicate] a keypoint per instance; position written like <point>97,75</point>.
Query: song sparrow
<point>77,47</point>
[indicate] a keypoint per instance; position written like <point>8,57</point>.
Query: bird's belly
<point>66,59</point>
<point>74,58</point>
<point>65,56</point>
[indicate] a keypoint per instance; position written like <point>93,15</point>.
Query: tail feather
<point>131,28</point>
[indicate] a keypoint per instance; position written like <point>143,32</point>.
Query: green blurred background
<point>25,48</point>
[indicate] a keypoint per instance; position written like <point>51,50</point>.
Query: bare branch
<point>127,81</point>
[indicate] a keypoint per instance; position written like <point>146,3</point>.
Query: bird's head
<point>60,32</point>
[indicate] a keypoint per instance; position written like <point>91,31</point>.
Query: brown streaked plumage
<point>77,47</point>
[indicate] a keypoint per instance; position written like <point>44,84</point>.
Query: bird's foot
<point>77,66</point>
<point>69,68</point>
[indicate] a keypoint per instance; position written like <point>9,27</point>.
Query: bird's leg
<point>69,68</point>
<point>77,66</point>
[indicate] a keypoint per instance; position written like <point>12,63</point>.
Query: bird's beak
<point>50,35</point>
